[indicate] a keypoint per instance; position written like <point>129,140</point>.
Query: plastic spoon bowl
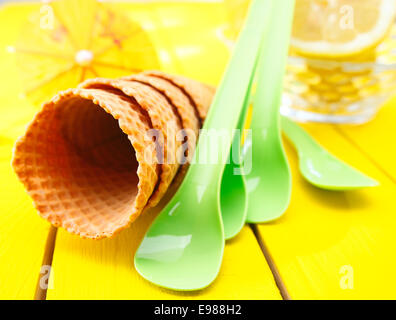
<point>184,246</point>
<point>321,168</point>
<point>269,180</point>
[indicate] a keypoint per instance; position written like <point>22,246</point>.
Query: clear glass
<point>340,92</point>
<point>329,90</point>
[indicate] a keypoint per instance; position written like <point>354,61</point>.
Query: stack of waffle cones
<point>96,156</point>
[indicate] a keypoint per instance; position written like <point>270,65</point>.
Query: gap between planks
<point>271,263</point>
<point>41,293</point>
<point>348,139</point>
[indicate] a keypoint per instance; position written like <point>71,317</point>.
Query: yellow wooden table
<point>327,245</point>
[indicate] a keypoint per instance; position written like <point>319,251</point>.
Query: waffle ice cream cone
<point>200,94</point>
<point>163,119</point>
<point>88,159</point>
<point>191,100</point>
<point>86,171</point>
<point>181,105</point>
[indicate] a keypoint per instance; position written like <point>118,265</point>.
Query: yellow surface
<point>320,241</point>
<point>377,138</point>
<point>324,233</point>
<point>104,270</point>
<point>22,235</point>
<point>22,232</point>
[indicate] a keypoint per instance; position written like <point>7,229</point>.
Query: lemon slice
<point>340,28</point>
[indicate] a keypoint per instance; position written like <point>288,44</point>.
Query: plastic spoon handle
<point>269,180</point>
<point>234,202</point>
<point>229,100</point>
<point>300,139</point>
<point>271,70</point>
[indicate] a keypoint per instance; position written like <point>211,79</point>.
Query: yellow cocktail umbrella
<point>68,41</point>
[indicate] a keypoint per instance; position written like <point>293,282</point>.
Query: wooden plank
<point>22,235</point>
<point>336,245</point>
<point>377,138</point>
<point>88,269</point>
<point>22,232</point>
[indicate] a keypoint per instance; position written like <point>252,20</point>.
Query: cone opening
<point>83,171</point>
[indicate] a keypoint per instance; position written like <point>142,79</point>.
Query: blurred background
<point>341,67</point>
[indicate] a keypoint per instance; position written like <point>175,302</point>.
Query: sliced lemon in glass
<point>340,28</point>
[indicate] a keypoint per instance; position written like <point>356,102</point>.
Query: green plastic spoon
<point>269,180</point>
<point>184,246</point>
<point>321,168</point>
<point>233,196</point>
